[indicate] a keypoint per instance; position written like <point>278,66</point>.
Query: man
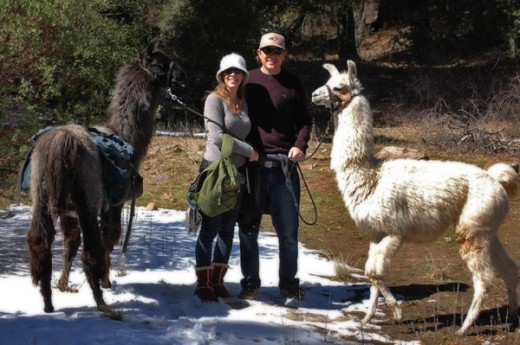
<point>281,127</point>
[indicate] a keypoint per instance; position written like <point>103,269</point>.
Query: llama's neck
<point>351,157</point>
<point>134,102</point>
<point>353,141</point>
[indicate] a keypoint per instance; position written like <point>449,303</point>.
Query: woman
<point>225,106</point>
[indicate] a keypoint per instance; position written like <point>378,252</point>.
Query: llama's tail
<point>507,175</point>
<point>63,157</point>
<point>60,157</point>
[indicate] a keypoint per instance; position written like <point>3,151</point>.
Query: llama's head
<point>340,88</point>
<point>176,77</point>
<point>157,61</point>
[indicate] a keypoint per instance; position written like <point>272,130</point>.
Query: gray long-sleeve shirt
<point>239,124</point>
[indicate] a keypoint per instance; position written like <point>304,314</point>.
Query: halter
<point>168,76</point>
<point>334,101</point>
<point>156,76</point>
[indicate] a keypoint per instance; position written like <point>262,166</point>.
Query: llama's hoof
<point>515,323</point>
<point>398,314</point>
<point>460,332</point>
<point>366,320</point>
<point>106,284</point>
<point>464,328</point>
<point>66,288</point>
<point>105,311</point>
<point>48,309</point>
<point>61,285</point>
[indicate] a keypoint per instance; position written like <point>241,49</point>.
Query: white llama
<point>406,200</point>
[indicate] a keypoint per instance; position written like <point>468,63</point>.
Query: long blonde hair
<point>222,91</point>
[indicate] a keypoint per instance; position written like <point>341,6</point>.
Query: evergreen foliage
<point>59,57</point>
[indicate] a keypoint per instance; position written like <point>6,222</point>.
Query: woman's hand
<point>254,156</point>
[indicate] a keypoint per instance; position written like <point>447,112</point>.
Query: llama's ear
<point>352,69</point>
<point>145,53</point>
<point>331,68</point>
<point>156,45</point>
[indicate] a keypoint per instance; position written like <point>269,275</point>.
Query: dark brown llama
<point>67,179</point>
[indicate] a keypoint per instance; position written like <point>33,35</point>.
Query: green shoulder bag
<point>217,187</point>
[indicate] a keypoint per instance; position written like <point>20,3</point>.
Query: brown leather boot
<point>219,271</point>
<point>204,289</point>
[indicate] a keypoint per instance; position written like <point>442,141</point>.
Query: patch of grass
<point>347,268</point>
<point>170,167</point>
<point>437,269</point>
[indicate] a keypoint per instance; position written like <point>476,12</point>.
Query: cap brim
<point>270,44</point>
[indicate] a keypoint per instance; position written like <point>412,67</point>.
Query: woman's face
<point>232,78</point>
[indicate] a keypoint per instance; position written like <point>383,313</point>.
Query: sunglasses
<point>232,70</point>
<point>269,50</point>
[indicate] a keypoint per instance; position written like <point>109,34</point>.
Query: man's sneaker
<point>248,292</point>
<point>293,293</point>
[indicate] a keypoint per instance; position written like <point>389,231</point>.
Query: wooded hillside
<point>59,58</point>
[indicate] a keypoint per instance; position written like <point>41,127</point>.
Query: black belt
<point>271,164</point>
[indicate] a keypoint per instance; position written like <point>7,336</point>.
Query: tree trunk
<point>347,34</point>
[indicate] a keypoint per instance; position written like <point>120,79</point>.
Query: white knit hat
<point>233,60</point>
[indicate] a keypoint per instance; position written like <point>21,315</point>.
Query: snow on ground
<point>156,295</point>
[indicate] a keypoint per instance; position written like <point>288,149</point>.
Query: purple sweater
<point>278,112</point>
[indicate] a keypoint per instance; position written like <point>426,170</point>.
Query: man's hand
<point>296,155</point>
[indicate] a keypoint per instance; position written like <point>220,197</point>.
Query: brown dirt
<point>431,281</point>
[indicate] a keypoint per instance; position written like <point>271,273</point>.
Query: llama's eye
<point>337,88</point>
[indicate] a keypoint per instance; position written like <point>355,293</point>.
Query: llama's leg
<point>93,252</point>
<point>480,291</point>
<point>93,259</point>
<point>475,251</point>
<point>87,201</point>
<point>390,300</point>
<point>508,271</point>
<point>71,242</point>
<point>39,241</point>
<point>111,232</point>
<point>372,304</point>
<point>379,257</point>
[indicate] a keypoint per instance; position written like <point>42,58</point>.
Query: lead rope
<point>296,205</point>
<point>320,141</point>
<point>122,257</point>
<point>182,104</point>
<point>333,107</point>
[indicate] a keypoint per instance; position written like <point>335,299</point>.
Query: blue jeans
<point>221,227</point>
<point>277,194</point>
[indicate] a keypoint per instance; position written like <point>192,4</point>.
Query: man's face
<point>272,57</point>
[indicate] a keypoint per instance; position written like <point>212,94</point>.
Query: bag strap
<point>182,104</point>
<point>227,145</point>
<point>225,152</point>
